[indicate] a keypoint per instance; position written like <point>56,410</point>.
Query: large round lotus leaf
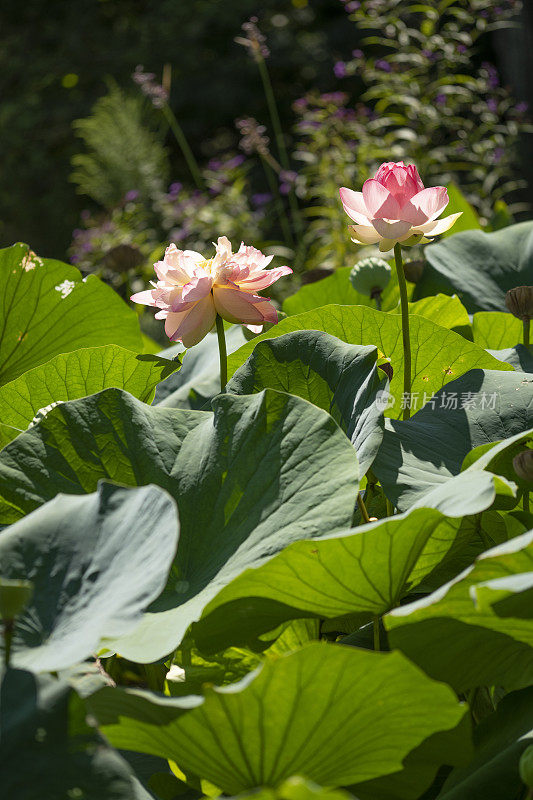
<point>356,574</point>
<point>370,712</point>
<point>482,406</point>
<point>342,379</point>
<point>439,355</point>
<point>48,309</point>
<point>480,267</point>
<point>78,374</point>
<point>475,630</point>
<point>49,752</point>
<point>260,472</point>
<point>500,739</point>
<point>75,549</point>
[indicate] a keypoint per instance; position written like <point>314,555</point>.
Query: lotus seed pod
<point>14,597</point>
<point>525,767</point>
<point>519,301</point>
<point>370,276</point>
<point>413,270</point>
<point>523,465</point>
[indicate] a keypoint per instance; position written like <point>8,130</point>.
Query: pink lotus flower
<point>192,290</point>
<point>395,207</point>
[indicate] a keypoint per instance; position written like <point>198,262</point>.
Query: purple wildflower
<point>339,98</point>
<point>156,93</point>
<point>234,162</point>
<point>340,69</point>
<point>300,104</point>
<point>261,198</point>
<point>253,39</point>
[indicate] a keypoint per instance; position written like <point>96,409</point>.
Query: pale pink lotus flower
<point>394,207</point>
<point>191,290</point>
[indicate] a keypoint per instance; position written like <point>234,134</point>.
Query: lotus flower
<point>394,207</point>
<point>192,290</point>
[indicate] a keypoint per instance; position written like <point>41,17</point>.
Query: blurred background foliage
<point>127,124</point>
<point>56,58</point>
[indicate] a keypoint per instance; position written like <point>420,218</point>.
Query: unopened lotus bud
<point>370,276</point>
<point>523,465</point>
<point>413,270</point>
<point>14,597</point>
<point>525,767</point>
<point>519,301</point>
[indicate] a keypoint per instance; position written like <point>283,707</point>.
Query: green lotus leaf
<point>74,550</point>
<point>455,638</point>
<point>78,374</point>
<point>342,379</point>
<point>499,741</point>
<point>337,289</point>
<point>479,267</point>
<point>496,330</point>
<point>439,355</point>
<point>274,723</point>
<point>355,574</point>
<point>49,309</point>
<point>478,408</point>
<point>260,472</point>
<point>48,750</point>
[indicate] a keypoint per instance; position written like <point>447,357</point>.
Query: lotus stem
<point>362,508</point>
<point>9,625</point>
<point>375,295</point>
<point>405,330</point>
<point>222,353</point>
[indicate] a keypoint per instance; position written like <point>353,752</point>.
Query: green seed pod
<point>523,465</point>
<point>14,597</point>
<point>525,767</point>
<point>519,301</point>
<point>370,276</point>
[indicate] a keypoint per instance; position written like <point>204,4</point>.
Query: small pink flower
<point>192,290</point>
<point>395,207</point>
